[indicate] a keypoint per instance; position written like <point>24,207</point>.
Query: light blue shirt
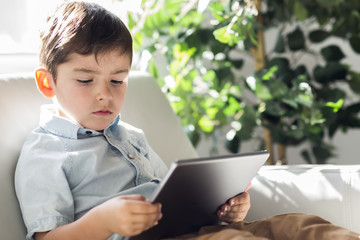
<point>65,170</point>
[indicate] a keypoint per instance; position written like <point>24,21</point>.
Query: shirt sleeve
<point>41,184</point>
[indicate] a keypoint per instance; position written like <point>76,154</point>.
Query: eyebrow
<point>85,70</point>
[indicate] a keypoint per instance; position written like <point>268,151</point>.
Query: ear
<point>44,79</point>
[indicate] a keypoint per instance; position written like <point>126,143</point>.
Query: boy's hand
<point>236,208</point>
<point>128,215</point>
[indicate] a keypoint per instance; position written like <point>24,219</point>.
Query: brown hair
<point>83,28</point>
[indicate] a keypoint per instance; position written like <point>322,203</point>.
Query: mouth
<point>102,113</point>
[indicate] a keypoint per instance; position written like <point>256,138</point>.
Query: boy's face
<point>91,91</point>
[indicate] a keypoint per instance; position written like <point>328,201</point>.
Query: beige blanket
<point>292,226</point>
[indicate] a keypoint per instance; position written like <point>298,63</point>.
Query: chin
<point>98,125</point>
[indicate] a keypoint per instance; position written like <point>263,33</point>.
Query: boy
<point>84,174</point>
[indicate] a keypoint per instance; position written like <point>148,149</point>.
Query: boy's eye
<point>84,81</point>
<point>117,82</point>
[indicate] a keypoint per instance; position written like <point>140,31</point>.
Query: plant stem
<point>260,62</point>
<point>281,154</point>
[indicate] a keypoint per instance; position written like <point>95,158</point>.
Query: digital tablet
<point>194,189</point>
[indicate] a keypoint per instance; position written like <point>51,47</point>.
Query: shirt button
<point>130,156</point>
<point>88,132</point>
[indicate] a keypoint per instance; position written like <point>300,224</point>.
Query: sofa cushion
<point>145,107</point>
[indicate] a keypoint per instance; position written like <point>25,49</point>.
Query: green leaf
<point>318,36</point>
<point>206,124</point>
<point>274,108</point>
<point>336,71</point>
<point>306,155</point>
<point>280,44</point>
<point>191,19</point>
<point>316,118</point>
<point>262,92</point>
<point>138,40</point>
<point>232,108</point>
<point>211,112</point>
<point>300,11</point>
<point>192,134</point>
<point>320,74</point>
<point>238,63</point>
<point>172,6</point>
<point>332,53</point>
<point>232,141</point>
<point>156,21</point>
<point>281,63</point>
<point>236,91</point>
<point>331,94</point>
<point>217,9</point>
<point>296,132</point>
<point>335,105</point>
<point>355,82</point>
<point>183,53</point>
<point>248,122</point>
<point>296,40</point>
<point>153,69</point>
<point>304,99</point>
<point>290,99</point>
<point>322,153</point>
<point>270,73</point>
<point>327,3</point>
<point>355,43</point>
<point>278,88</point>
<point>178,105</point>
<point>209,76</point>
<point>224,36</point>
<point>331,72</point>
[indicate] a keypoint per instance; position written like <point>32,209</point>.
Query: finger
<point>136,197</point>
<point>139,207</point>
<point>223,209</point>
<point>145,221</point>
<point>236,213</point>
<point>243,198</point>
<point>237,210</point>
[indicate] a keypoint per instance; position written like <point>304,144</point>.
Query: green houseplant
<point>204,44</point>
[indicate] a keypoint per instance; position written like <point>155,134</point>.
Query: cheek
<point>120,93</point>
<point>76,99</point>
<point>120,98</point>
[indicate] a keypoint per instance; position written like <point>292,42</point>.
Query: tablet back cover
<point>194,189</point>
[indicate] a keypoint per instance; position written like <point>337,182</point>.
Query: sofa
<point>330,191</point>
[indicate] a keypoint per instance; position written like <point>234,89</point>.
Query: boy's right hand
<point>128,215</point>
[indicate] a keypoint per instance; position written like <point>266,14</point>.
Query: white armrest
<point>329,191</point>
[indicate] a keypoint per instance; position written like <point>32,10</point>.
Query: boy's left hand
<point>236,208</point>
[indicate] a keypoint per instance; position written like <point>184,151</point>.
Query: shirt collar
<point>63,127</point>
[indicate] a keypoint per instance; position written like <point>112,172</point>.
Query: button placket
<point>126,151</point>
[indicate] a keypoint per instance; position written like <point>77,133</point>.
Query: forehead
<point>111,60</point>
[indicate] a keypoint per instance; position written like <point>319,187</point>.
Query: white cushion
<point>146,107</point>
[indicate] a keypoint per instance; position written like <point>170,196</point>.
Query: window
<point>19,24</point>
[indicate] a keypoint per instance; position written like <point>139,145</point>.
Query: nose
<point>103,92</point>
